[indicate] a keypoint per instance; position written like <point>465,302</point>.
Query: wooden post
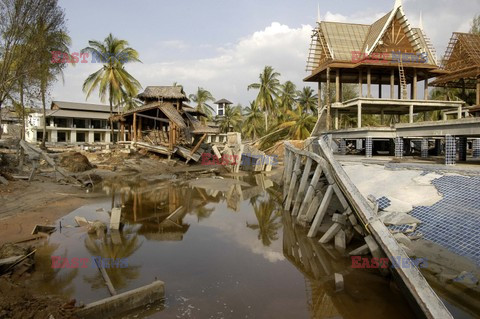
<point>392,84</point>
<point>140,128</point>
<point>135,127</point>
<point>319,103</point>
<point>425,89</point>
<point>478,90</point>
<point>380,86</point>
<point>399,90</point>
<point>369,82</point>
<point>337,85</point>
<point>359,114</point>
<point>410,114</point>
<point>122,131</point>
<point>328,99</point>
<point>360,84</point>
<point>414,84</point>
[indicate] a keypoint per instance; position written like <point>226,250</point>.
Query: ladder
<point>430,47</point>
<point>403,81</point>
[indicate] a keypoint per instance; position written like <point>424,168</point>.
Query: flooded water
<point>222,253</point>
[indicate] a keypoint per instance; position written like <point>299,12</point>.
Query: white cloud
<point>227,74</point>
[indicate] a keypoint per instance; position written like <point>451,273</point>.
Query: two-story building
<point>71,122</point>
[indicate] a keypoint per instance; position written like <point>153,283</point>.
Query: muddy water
<point>222,253</point>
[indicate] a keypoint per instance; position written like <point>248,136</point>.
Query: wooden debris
<point>109,284</point>
<point>47,229</point>
<point>339,283</point>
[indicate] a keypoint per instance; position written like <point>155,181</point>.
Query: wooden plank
<point>152,118</point>
<point>301,187</point>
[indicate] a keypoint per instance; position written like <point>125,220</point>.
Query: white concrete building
<point>221,105</point>
<point>71,122</point>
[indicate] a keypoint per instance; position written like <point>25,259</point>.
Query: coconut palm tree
<point>268,88</point>
<point>232,118</point>
<point>45,39</point>
<point>111,79</point>
<point>253,116</point>
<point>286,99</point>
<point>201,98</point>
<point>269,221</point>
<point>307,99</point>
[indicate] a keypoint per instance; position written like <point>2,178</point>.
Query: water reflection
<point>227,251</point>
<point>117,245</point>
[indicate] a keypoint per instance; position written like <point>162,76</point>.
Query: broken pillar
<point>359,144</point>
<point>340,241</point>
<point>424,148</point>
<point>343,146</point>
<point>331,232</point>
<point>476,147</point>
<point>360,251</point>
<point>368,147</point>
<point>462,149</point>
<point>438,147</point>
<point>398,147</point>
<point>115,218</point>
<point>450,150</point>
<point>339,283</point>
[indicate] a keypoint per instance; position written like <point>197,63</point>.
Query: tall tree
<point>49,35</point>
<point>252,127</point>
<point>231,119</point>
<point>111,79</point>
<point>16,20</point>
<point>201,98</point>
<point>288,93</point>
<point>268,89</point>
<point>307,99</point>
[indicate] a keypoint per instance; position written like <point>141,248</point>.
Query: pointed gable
<point>463,51</point>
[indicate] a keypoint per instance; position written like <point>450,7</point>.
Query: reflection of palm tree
<point>106,248</point>
<point>54,280</point>
<point>268,221</point>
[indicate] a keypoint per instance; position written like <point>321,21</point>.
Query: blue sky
<point>222,45</point>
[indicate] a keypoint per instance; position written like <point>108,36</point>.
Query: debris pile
<point>75,162</point>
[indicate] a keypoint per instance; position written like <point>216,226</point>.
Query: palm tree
<point>286,99</point>
<point>307,99</point>
<point>112,79</point>
<point>201,98</point>
<point>268,222</point>
<point>128,102</point>
<point>231,119</point>
<point>46,40</point>
<point>252,127</point>
<point>268,89</point>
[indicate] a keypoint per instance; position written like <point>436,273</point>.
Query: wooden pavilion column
<point>478,90</point>
<point>425,89</point>
<point>135,127</point>
<point>359,114</point>
<point>360,84</point>
<point>319,95</point>
<point>380,86</point>
<point>338,96</point>
<point>139,133</point>
<point>414,85</point>
<point>122,131</point>
<point>369,82</point>
<point>392,84</point>
<point>327,101</point>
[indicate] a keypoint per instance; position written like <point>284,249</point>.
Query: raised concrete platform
<point>469,127</point>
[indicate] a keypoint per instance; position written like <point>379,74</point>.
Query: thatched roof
<point>170,112</point>
<point>163,92</point>
<point>199,128</point>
